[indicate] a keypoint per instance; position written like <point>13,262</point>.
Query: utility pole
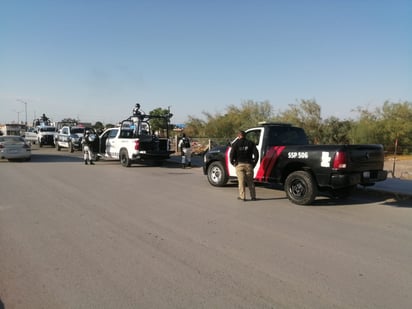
<point>25,109</point>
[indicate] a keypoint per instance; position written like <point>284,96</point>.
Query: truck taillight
<point>339,161</point>
<point>136,144</point>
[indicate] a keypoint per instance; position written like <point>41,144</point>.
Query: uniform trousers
<point>244,172</point>
<point>88,154</point>
<point>186,155</point>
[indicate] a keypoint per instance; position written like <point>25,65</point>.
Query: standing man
<point>244,156</point>
<point>87,147</point>
<point>186,150</point>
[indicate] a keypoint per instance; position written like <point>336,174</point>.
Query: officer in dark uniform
<point>244,156</point>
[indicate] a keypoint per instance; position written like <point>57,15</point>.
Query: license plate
<point>366,174</point>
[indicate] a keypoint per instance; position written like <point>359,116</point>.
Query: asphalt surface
<point>76,236</point>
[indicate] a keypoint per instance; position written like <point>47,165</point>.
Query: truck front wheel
<point>217,175</point>
<point>301,188</point>
<point>124,158</point>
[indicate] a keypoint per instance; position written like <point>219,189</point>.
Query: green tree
<point>159,124</point>
<point>335,131</point>
<point>195,127</point>
<point>248,114</point>
<point>306,114</point>
<point>109,125</point>
<point>365,130</point>
<point>395,123</point>
<point>98,125</point>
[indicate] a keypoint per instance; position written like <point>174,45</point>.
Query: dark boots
<point>85,162</point>
<point>189,164</point>
<point>91,162</point>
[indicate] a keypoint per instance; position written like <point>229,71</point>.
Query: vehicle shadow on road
<point>363,198</point>
<point>359,197</point>
<point>50,158</point>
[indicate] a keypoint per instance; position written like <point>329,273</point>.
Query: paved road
<point>104,236</point>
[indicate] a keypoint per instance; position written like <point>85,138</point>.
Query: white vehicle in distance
<point>14,148</point>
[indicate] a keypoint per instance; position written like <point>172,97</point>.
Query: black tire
<point>301,188</point>
<point>124,158</point>
<point>217,175</point>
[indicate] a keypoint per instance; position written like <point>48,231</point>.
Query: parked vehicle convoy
<point>134,141</point>
<point>70,137</point>
<point>304,170</point>
<point>14,148</point>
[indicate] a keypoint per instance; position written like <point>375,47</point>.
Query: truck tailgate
<point>365,157</point>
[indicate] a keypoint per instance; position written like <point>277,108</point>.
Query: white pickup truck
<point>31,135</point>
<point>133,142</point>
<point>43,135</point>
<point>46,135</point>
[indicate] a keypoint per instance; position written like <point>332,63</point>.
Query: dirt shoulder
<point>399,167</point>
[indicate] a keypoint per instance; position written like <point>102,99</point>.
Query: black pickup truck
<point>304,170</point>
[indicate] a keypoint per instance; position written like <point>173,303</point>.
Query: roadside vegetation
<point>390,124</point>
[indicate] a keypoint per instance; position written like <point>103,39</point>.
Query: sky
<point>93,60</point>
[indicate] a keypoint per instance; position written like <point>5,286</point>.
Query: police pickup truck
<point>305,171</point>
<point>43,135</point>
<point>70,137</point>
<point>46,135</point>
<point>134,142</point>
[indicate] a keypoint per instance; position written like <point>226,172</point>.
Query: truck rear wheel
<point>217,175</point>
<point>124,158</point>
<point>301,188</point>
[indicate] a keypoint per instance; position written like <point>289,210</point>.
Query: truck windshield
<point>126,134</point>
<point>77,130</point>
<point>48,129</point>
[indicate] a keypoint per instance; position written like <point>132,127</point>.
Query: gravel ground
<point>399,168</point>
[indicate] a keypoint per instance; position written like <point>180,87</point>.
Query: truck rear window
<point>126,134</point>
<point>287,136</point>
